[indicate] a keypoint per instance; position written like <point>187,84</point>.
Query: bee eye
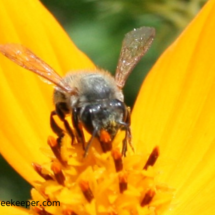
<point>119,107</point>
<point>116,104</point>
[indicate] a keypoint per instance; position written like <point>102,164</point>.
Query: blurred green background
<point>97,27</point>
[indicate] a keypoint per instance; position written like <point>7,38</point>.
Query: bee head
<point>104,115</point>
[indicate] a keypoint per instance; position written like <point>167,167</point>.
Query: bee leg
<point>78,127</point>
<point>124,145</point>
<point>127,140</point>
<point>90,142</point>
<point>60,113</point>
<point>128,136</point>
<point>54,126</point>
<point>69,130</point>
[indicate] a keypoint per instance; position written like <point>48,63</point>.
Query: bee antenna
<point>90,141</point>
<point>123,124</point>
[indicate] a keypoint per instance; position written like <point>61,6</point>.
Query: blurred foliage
<point>12,186</point>
<point>97,28</point>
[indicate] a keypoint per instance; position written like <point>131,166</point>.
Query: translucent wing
<point>134,46</point>
<point>28,60</point>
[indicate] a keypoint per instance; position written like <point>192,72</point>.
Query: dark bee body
<point>99,104</point>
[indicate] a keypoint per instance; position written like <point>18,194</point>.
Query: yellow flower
<point>174,111</point>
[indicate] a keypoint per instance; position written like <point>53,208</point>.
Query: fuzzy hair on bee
<point>91,86</point>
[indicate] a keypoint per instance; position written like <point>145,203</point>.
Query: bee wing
<point>28,60</point>
<point>134,46</point>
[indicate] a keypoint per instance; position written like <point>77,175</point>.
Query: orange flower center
<point>100,183</point>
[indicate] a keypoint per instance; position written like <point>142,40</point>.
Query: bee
<point>93,98</point>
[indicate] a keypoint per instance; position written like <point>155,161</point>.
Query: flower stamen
<point>55,147</point>
<point>84,185</point>
<point>123,182</point>
<point>59,176</point>
<point>105,140</point>
<point>152,158</point>
<point>117,157</point>
<point>38,168</point>
<point>147,198</point>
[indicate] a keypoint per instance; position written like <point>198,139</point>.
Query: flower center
<point>100,183</point>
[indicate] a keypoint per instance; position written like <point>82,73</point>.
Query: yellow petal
<point>26,101</point>
<point>175,110</point>
<point>9,210</point>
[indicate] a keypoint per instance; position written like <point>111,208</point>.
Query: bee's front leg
<point>78,127</point>
<point>55,127</point>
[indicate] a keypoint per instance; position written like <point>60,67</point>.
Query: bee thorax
<point>91,87</point>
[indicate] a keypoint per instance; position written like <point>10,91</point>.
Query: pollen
<point>100,183</point>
